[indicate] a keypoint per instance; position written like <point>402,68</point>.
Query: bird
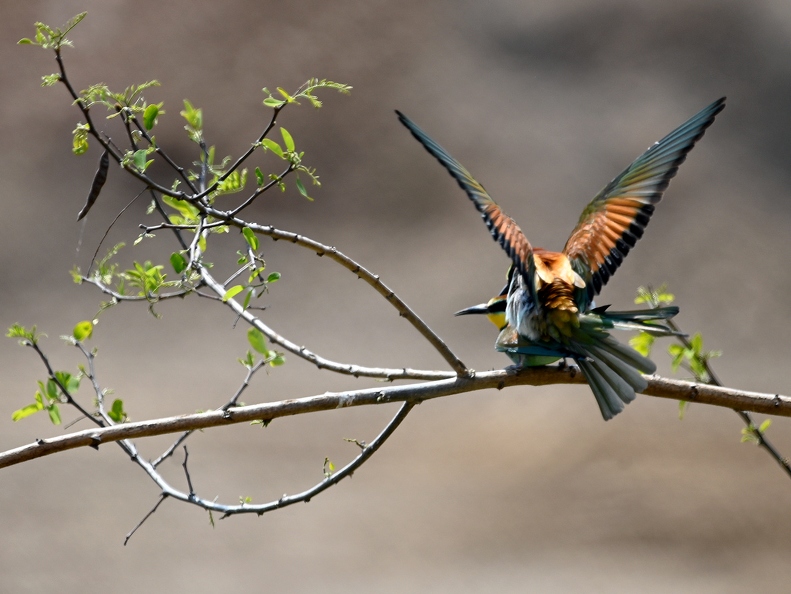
<point>546,312</point>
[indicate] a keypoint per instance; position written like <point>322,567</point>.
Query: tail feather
<point>622,368</point>
<point>659,313</point>
<point>609,401</point>
<point>628,355</point>
<point>645,320</point>
<point>612,369</point>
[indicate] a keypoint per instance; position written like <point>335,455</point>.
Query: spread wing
<point>502,227</point>
<point>616,218</point>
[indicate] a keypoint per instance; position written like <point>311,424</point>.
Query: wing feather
<point>502,227</point>
<point>616,218</point>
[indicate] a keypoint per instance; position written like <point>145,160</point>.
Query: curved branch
<point>389,374</point>
<point>332,479</point>
<point>772,404</point>
<point>372,279</point>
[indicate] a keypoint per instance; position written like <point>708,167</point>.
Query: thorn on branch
<point>95,441</point>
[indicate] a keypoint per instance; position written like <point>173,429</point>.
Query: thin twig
<point>187,473</point>
<point>372,279</point>
<point>232,402</point>
<point>162,498</point>
<point>335,477</point>
<point>244,157</point>
<point>320,362</point>
<point>107,232</point>
<point>759,435</point>
<point>260,191</point>
<point>64,390</point>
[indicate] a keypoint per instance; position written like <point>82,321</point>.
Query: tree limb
<point>772,404</point>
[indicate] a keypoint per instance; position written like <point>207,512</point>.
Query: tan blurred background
<point>526,490</point>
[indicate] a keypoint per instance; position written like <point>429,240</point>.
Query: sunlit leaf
<point>287,139</point>
<point>235,290</point>
<point>257,340</point>
<point>83,330</point>
<point>251,238</point>
<point>178,261</point>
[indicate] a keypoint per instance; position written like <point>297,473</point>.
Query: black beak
<point>483,308</point>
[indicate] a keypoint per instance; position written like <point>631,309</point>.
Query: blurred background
<point>524,490</point>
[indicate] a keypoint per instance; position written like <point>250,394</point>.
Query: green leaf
<point>302,190</point>
<point>80,140</point>
<point>26,411</point>
<point>278,361</point>
<point>765,425</point>
<point>248,361</point>
<point>329,468</point>
<point>150,116</point>
<point>187,210</point>
<point>116,412</point>
<point>235,182</point>
<point>274,103</point>
<point>274,147</point>
<point>251,238</point>
<point>682,409</point>
<point>54,414</point>
<point>49,80</point>
<point>140,159</point>
<point>259,176</point>
<point>696,343</point>
<point>178,261</point>
<point>287,139</point>
<point>273,277</point>
<point>257,340</point>
<point>235,290</point>
<point>24,335</point>
<point>83,330</point>
<point>748,434</point>
<point>677,352</point>
<point>52,389</point>
<point>642,343</point>
<point>665,297</point>
<point>247,299</point>
<point>193,116</point>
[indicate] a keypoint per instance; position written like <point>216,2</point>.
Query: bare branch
<point>332,479</point>
<point>320,362</point>
<point>162,498</point>
<point>372,279</point>
<point>772,404</point>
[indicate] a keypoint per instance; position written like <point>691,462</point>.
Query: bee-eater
<point>546,310</point>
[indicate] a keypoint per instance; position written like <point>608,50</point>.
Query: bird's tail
<point>611,368</point>
<point>644,320</point>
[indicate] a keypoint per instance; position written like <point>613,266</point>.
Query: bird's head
<point>494,310</point>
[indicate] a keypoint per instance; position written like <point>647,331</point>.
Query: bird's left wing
<point>616,218</point>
